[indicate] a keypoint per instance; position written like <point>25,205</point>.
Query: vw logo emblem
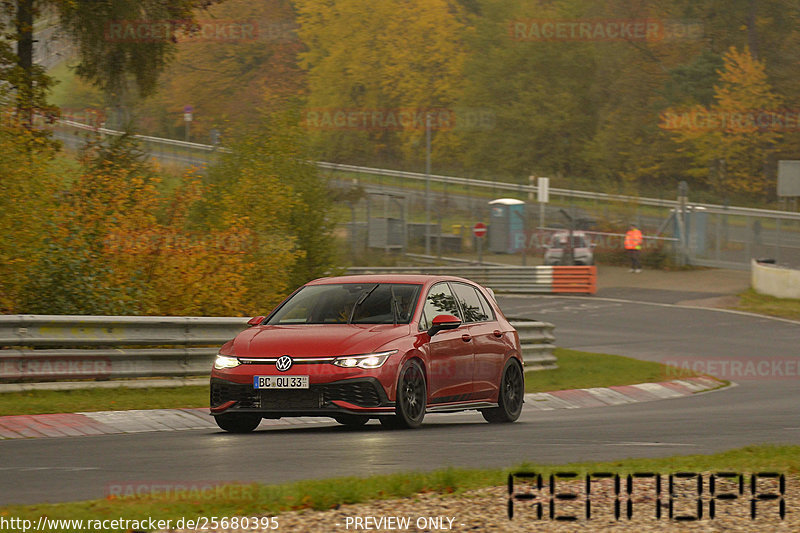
<point>284,363</point>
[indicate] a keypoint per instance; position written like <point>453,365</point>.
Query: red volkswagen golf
<point>392,347</point>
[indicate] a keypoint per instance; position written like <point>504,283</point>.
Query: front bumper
<point>361,396</point>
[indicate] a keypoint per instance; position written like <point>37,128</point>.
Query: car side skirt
<point>459,406</point>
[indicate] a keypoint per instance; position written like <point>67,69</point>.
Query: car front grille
<point>279,400</point>
<point>245,395</point>
<point>361,393</point>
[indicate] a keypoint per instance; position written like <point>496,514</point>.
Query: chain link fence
<point>387,209</point>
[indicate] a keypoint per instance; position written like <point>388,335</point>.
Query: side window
<point>440,301</point>
<point>488,310</point>
<point>471,304</point>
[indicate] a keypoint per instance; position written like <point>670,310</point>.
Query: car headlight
<point>366,361</point>
<point>226,361</point>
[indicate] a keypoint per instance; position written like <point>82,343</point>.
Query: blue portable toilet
<point>506,225</point>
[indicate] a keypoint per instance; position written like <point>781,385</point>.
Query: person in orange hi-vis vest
<point>633,245</point>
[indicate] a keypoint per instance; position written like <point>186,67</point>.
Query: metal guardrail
<point>468,182</point>
<point>47,348</point>
<point>57,347</point>
<point>507,279</point>
<point>537,343</point>
<point>588,195</point>
<point>158,140</point>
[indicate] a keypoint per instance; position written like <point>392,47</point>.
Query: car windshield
<point>349,303</point>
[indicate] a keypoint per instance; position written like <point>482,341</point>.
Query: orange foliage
<point>736,135</point>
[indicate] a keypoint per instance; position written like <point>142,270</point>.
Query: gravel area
<point>486,510</point>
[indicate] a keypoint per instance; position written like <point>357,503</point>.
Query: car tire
<point>510,396</point>
<point>412,397</point>
<point>352,421</point>
<point>238,422</point>
<point>389,422</point>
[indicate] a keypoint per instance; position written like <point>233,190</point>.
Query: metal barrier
<point>56,347</point>
<point>536,341</point>
<point>505,279</point>
<point>574,279</point>
<point>46,348</point>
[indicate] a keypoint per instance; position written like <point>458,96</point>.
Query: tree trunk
<point>25,61</point>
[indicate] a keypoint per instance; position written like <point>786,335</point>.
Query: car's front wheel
<point>238,422</point>
<point>512,391</point>
<point>412,397</point>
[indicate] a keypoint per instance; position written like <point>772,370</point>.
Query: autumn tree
<point>380,57</point>
<point>729,142</point>
<point>30,174</point>
<point>268,185</point>
<point>110,61</point>
<point>117,242</point>
<point>225,77</point>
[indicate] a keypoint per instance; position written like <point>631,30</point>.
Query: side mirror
<point>442,323</point>
<point>256,320</point>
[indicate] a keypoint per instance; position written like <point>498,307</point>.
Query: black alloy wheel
<point>511,396</point>
<point>412,397</point>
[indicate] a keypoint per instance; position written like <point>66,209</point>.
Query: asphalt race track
<point>756,411</point>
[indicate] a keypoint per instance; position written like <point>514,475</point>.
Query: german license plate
<point>280,382</point>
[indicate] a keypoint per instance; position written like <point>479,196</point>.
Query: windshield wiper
<point>359,302</point>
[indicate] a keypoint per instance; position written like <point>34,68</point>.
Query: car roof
<point>419,279</point>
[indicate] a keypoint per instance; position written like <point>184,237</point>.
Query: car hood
<point>314,340</point>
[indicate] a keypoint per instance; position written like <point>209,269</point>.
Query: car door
<point>450,361</point>
<point>488,347</point>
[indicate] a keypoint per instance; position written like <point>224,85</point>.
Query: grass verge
<point>582,370</point>
<point>753,302</point>
<point>256,499</point>
<point>577,370</point>
<point>116,399</point>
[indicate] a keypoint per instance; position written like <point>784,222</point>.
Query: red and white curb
<point>141,421</point>
<point>605,396</point>
<point>118,422</point>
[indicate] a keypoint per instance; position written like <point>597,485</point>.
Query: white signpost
<point>187,118</point>
<point>543,196</point>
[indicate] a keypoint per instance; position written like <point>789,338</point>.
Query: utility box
<point>387,231</point>
<point>696,221</point>
<point>506,225</point>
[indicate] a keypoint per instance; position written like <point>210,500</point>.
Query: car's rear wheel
<point>352,421</point>
<point>510,397</point>
<point>238,422</point>
<point>412,397</point>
